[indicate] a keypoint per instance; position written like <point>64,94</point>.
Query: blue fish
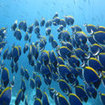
<point>5,96</point>
<point>74,99</point>
<point>5,77</point>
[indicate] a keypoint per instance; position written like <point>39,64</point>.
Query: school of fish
<point>75,56</point>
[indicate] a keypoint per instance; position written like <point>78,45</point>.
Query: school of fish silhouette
<point>77,55</point>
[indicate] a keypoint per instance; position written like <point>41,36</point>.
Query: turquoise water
<point>83,11</point>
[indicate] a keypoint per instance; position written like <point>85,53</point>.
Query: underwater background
<point>83,11</point>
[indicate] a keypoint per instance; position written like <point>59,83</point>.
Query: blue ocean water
<point>83,11</point>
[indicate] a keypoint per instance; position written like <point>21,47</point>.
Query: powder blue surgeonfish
<point>64,52</point>
<point>26,74</point>
<point>5,54</point>
<point>5,77</point>
<point>95,64</point>
<point>60,60</point>
<point>51,38</point>
<point>36,23</point>
<point>99,37</point>
<point>91,76</point>
<point>69,20</point>
<point>26,37</point>
<point>56,21</point>
<point>64,71</point>
<point>62,100</point>
<point>19,97</point>
<point>96,49</point>
<point>64,36</point>
<point>45,100</point>
<point>81,54</point>
<point>42,22</point>
<point>30,29</point>
<point>18,34</point>
<point>90,27</point>
<point>74,99</point>
<point>23,85</point>
<point>45,70</point>
<point>16,53</point>
<point>37,102</point>
<point>44,57</point>
<point>80,37</point>
<point>38,81</point>
<point>75,28</point>
<point>32,83</point>
<point>74,61</point>
<point>14,26</point>
<point>5,96</point>
<point>54,44</point>
<point>48,23</point>
<point>48,31</point>
<point>81,93</point>
<point>64,86</point>
<point>23,26</point>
